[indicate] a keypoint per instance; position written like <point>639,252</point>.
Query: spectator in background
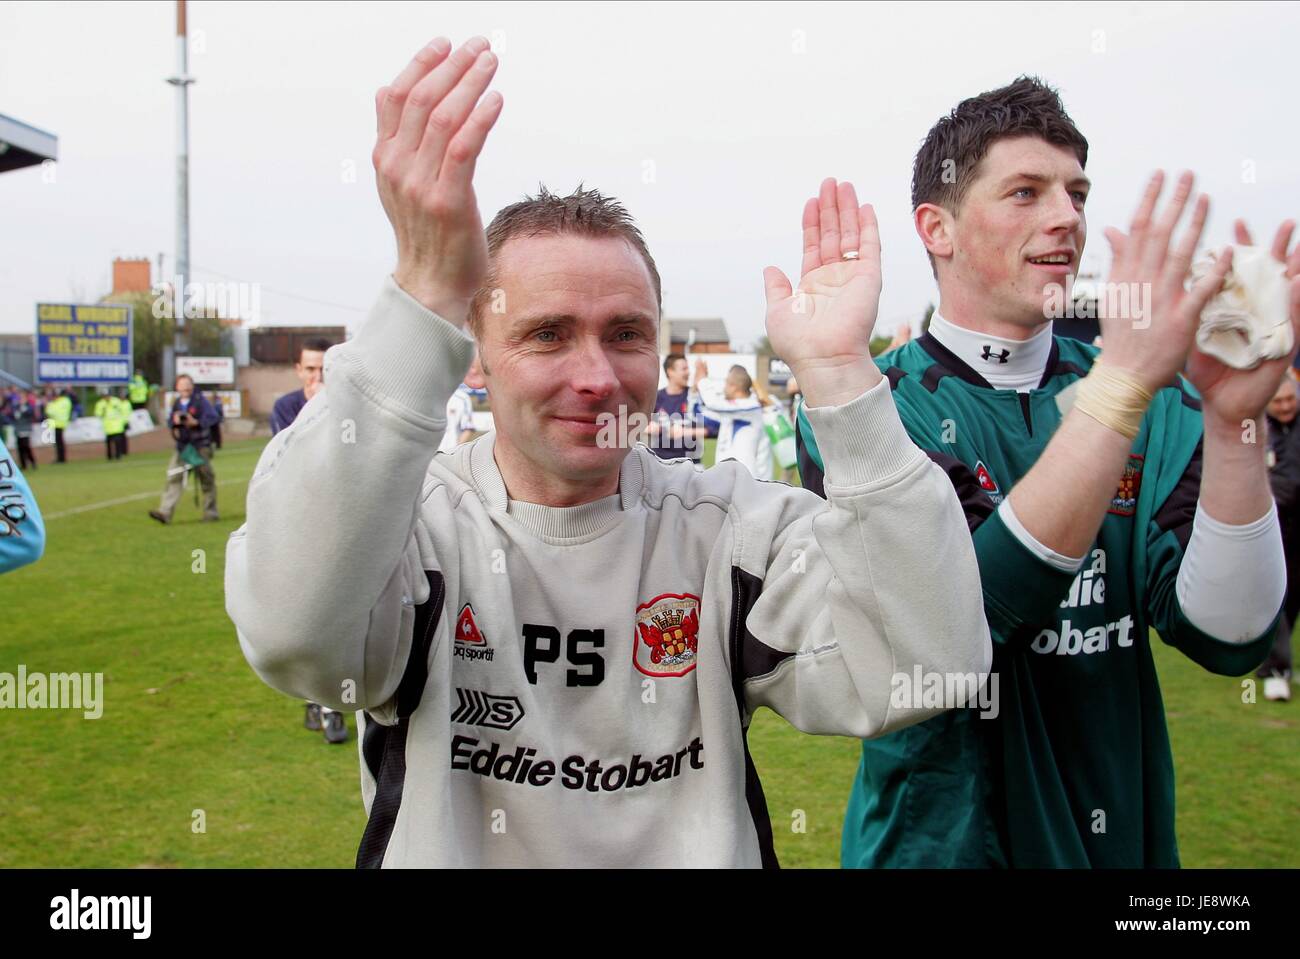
<point>26,413</point>
<point>138,391</point>
<point>780,435</point>
<point>124,409</point>
<point>110,416</point>
<point>460,419</point>
<point>673,431</point>
<point>118,398</point>
<point>221,418</point>
<point>8,406</point>
<point>310,368</point>
<point>58,410</point>
<point>22,531</point>
<point>739,414</point>
<point>902,336</point>
<point>191,420</point>
<point>1284,478</point>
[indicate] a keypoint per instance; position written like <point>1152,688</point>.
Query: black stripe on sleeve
<point>749,657</point>
<point>975,502</point>
<point>427,615</point>
<point>384,747</point>
<point>755,658</point>
<point>387,745</point>
<point>1186,398</point>
<point>1179,508</point>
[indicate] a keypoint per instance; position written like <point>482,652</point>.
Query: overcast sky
<point>712,121</point>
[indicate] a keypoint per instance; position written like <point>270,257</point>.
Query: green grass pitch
<point>196,763</point>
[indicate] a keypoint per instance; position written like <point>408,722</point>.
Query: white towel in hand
<point>1247,321</point>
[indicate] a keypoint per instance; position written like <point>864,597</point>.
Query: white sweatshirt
<point>572,686</point>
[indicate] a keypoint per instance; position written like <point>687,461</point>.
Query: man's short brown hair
<point>583,212</point>
<point>317,344</point>
<point>949,158</point>
<point>672,358</point>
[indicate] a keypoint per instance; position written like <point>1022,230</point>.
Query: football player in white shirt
<point>460,415</point>
<point>738,414</point>
<point>460,420</point>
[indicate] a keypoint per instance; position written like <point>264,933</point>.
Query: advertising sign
<point>207,370</point>
<point>83,343</point>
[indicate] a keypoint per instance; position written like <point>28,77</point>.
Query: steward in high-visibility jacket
<point>58,414</point>
<point>125,408</point>
<point>59,411</point>
<point>138,390</point>
<point>108,410</point>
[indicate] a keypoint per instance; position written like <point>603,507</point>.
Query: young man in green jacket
<point>1106,493</point>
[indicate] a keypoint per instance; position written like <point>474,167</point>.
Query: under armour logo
<point>988,354</point>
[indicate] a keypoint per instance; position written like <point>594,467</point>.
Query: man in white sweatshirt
<point>558,643</point>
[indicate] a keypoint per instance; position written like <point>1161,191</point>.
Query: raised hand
<point>1232,395</point>
<point>1148,318</point>
<point>432,126</point>
<point>823,329</point>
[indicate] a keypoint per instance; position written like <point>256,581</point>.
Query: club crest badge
<point>665,641</point>
<point>1125,500</point>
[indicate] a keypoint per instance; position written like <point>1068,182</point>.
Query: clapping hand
<point>822,330</point>
<point>432,123</point>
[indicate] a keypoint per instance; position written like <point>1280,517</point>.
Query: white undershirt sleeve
<point>1232,580</point>
<point>1065,564</point>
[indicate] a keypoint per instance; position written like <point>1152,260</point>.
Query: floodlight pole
<point>181,82</point>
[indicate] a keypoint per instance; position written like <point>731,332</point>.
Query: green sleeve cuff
<point>1021,591</point>
<point>809,438</point>
<point>1216,655</point>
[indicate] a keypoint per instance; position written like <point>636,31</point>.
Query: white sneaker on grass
<point>1277,688</point>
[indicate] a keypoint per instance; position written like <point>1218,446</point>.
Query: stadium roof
<point>706,331</point>
<point>14,381</point>
<point>22,145</point>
